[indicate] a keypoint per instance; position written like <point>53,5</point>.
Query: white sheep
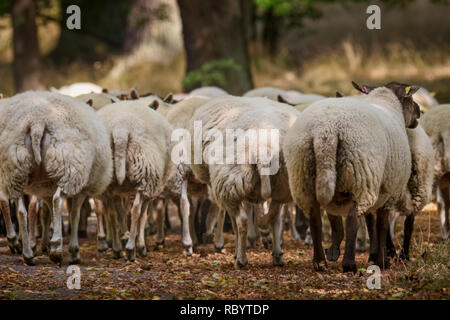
<point>235,185</point>
<point>97,100</point>
<point>208,92</point>
<point>140,138</point>
<point>436,123</point>
<point>77,88</point>
<point>351,156</point>
<point>55,147</point>
<point>425,99</point>
<point>267,92</point>
<point>181,187</point>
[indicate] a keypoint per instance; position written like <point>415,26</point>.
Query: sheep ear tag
<point>408,89</point>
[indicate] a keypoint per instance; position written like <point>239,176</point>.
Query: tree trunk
<point>26,66</point>
<point>217,30</point>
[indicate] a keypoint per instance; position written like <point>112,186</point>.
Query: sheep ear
<point>339,95</point>
<point>134,94</point>
<point>283,100</point>
<point>154,105</point>
<point>90,102</point>
<point>168,98</point>
<point>112,101</point>
<point>364,89</point>
<point>105,90</point>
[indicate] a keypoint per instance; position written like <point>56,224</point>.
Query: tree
<point>26,66</point>
<point>215,38</point>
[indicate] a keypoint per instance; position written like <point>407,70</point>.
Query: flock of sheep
<point>368,158</point>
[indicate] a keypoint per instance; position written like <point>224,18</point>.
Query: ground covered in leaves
<point>168,274</point>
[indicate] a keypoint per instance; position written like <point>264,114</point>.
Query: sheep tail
<point>325,149</point>
<point>120,142</point>
<point>36,135</point>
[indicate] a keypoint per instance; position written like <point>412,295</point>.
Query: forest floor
<point>168,274</point>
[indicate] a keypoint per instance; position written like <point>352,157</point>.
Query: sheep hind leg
<point>337,235</point>
<point>382,259</point>
<point>56,242</point>
<point>97,206</point>
<point>407,233</point>
<point>351,231</point>
<point>187,220</point>
<point>211,220</point>
<point>241,261</point>
<point>252,235</point>
<point>45,217</point>
<point>74,247</point>
<point>33,210</point>
<point>13,241</point>
<point>141,247</point>
<point>114,227</point>
<point>315,221</point>
<point>361,236</point>
<point>443,202</point>
<point>27,253</point>
<point>218,235</point>
<point>160,219</point>
<point>135,216</point>
<point>371,228</point>
<point>277,232</point>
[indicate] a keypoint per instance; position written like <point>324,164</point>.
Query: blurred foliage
<point>210,73</point>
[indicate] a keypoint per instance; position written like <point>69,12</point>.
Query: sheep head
<point>404,93</point>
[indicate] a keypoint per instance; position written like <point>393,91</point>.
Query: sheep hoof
<point>188,250</point>
<point>320,265</point>
<point>278,260</point>
<point>13,245</point>
<point>208,238</point>
<point>117,254</point>
<point>333,253</point>
<point>102,245</point>
<point>131,254</point>
<point>29,261</point>
<point>349,267</point>
<point>142,251</point>
<point>218,249</point>
<point>18,246</point>
<point>239,265</point>
<point>74,260</point>
<point>74,255</point>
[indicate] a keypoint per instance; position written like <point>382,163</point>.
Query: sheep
<point>425,99</point>
<point>97,100</point>
<point>436,123</point>
<point>420,184</point>
<point>181,187</point>
<point>268,92</point>
<point>56,148</point>
<point>295,98</point>
<point>140,139</point>
<point>235,186</point>
<point>351,156</point>
<point>77,89</point>
<point>208,92</point>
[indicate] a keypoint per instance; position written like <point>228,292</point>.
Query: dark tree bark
<point>217,30</point>
<point>106,26</point>
<point>26,66</point>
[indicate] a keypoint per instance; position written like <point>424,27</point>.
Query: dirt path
<point>168,274</point>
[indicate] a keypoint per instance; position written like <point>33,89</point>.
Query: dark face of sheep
<point>411,110</point>
<point>404,93</point>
